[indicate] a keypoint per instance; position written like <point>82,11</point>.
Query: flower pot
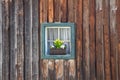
<point>57,51</point>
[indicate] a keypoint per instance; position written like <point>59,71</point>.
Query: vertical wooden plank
<point>99,40</point>
<point>106,40</point>
<point>40,21</point>
<point>13,40</point>
<point>50,10</point>
<point>63,10</point>
<point>43,15</point>
<point>58,63</point>
<point>113,40</point>
<point>57,13</point>
<point>86,50</point>
<point>20,42</point>
<point>79,33</point>
<point>59,69</point>
<point>28,39</point>
<point>44,69</point>
<point>118,31</point>
<point>65,66</point>
<point>66,70</point>
<point>92,40</point>
<point>5,27</point>
<point>51,63</point>
<point>35,44</point>
<point>71,13</point>
<point>1,40</point>
<point>71,18</point>
<point>44,10</point>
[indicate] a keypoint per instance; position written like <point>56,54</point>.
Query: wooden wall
<point>97,39</point>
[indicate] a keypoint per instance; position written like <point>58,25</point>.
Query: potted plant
<point>58,48</point>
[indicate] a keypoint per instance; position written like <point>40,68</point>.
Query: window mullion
<point>58,33</point>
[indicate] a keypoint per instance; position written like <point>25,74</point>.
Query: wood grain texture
<point>44,18</point>
<point>92,40</point>
<point>113,40</point>
<point>118,31</point>
<point>65,63</point>
<point>86,42</point>
<point>97,37</point>
<point>99,40</point>
<point>13,39</point>
<point>71,12</point>
<point>20,40</point>
<point>71,18</point>
<point>28,39</point>
<point>63,4</point>
<point>51,62</point>
<point>35,43</point>
<point>59,68</point>
<point>106,40</point>
<point>6,39</point>
<point>1,53</point>
<point>50,10</point>
<point>79,33</point>
<point>57,11</point>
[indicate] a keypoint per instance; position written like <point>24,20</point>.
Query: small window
<point>51,32</point>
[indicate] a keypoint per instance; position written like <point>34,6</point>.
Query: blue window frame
<point>53,31</point>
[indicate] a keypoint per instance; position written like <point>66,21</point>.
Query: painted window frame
<point>67,56</point>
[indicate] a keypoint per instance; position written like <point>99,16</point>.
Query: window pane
<point>52,33</point>
<point>48,47</point>
<point>65,33</point>
<point>62,34</point>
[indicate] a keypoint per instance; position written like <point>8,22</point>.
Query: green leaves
<point>58,43</point>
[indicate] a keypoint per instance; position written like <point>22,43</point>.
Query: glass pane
<point>55,33</point>
<point>65,33</point>
<point>67,47</point>
<point>52,33</point>
<point>48,47</point>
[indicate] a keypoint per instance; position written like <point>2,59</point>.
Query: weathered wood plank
<point>66,70</point>
<point>20,42</point>
<point>41,11</point>
<point>99,41</point>
<point>51,62</point>
<point>44,69</point>
<point>44,10</point>
<point>1,53</point>
<point>5,42</point>
<point>92,40</point>
<point>86,42</point>
<point>58,63</point>
<point>59,69</point>
<point>44,18</point>
<point>118,31</point>
<point>63,10</point>
<point>28,39</point>
<point>51,69</point>
<point>35,43</point>
<point>72,69</point>
<point>106,40</point>
<point>57,9</point>
<point>13,40</point>
<point>79,28</point>
<point>71,12</point>
<point>50,10</point>
<point>65,63</point>
<point>71,18</point>
<point>113,40</point>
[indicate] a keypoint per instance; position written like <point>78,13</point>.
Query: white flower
<point>52,46</point>
<point>62,46</point>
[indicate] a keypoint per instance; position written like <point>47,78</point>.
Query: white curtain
<point>58,33</point>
